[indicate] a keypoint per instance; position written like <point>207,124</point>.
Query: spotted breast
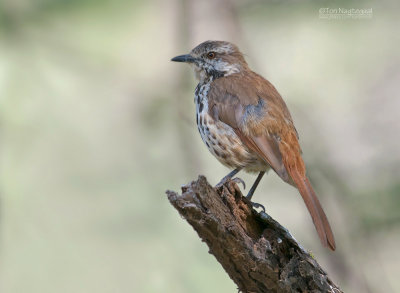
<point>220,138</point>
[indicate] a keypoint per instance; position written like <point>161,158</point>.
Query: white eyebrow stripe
<point>224,49</point>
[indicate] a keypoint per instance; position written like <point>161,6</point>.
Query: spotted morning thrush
<point>245,124</point>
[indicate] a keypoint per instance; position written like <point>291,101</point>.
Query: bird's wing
<point>254,109</point>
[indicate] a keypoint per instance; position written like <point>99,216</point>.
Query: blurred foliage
<point>379,208</point>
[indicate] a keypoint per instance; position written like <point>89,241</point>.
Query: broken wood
<point>257,253</point>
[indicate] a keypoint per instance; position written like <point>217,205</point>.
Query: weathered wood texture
<point>258,253</point>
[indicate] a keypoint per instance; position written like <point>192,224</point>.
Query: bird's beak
<point>184,58</point>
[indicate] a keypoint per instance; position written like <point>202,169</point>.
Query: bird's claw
<point>258,205</point>
<point>238,180</point>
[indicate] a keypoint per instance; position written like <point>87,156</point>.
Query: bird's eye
<point>211,55</point>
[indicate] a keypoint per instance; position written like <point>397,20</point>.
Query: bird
<point>246,125</point>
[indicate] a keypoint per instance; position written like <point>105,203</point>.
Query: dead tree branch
<point>258,253</point>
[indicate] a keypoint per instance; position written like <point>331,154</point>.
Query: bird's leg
<point>255,184</point>
<point>253,188</point>
<point>229,177</point>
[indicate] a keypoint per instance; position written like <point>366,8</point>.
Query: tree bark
<point>257,253</point>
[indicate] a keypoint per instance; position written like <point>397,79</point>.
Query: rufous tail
<point>314,207</point>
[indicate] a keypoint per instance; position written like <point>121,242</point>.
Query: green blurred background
<point>96,123</point>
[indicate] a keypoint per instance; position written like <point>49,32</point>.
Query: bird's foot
<point>258,205</point>
<point>237,180</point>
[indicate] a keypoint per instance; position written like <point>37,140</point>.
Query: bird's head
<point>214,58</point>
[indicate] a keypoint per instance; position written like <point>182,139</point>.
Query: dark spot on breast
<point>201,119</point>
<point>213,135</point>
<point>221,146</point>
<point>201,106</point>
<point>224,156</point>
<point>207,129</point>
<point>217,153</point>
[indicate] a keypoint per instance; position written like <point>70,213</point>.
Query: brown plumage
<point>246,124</point>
